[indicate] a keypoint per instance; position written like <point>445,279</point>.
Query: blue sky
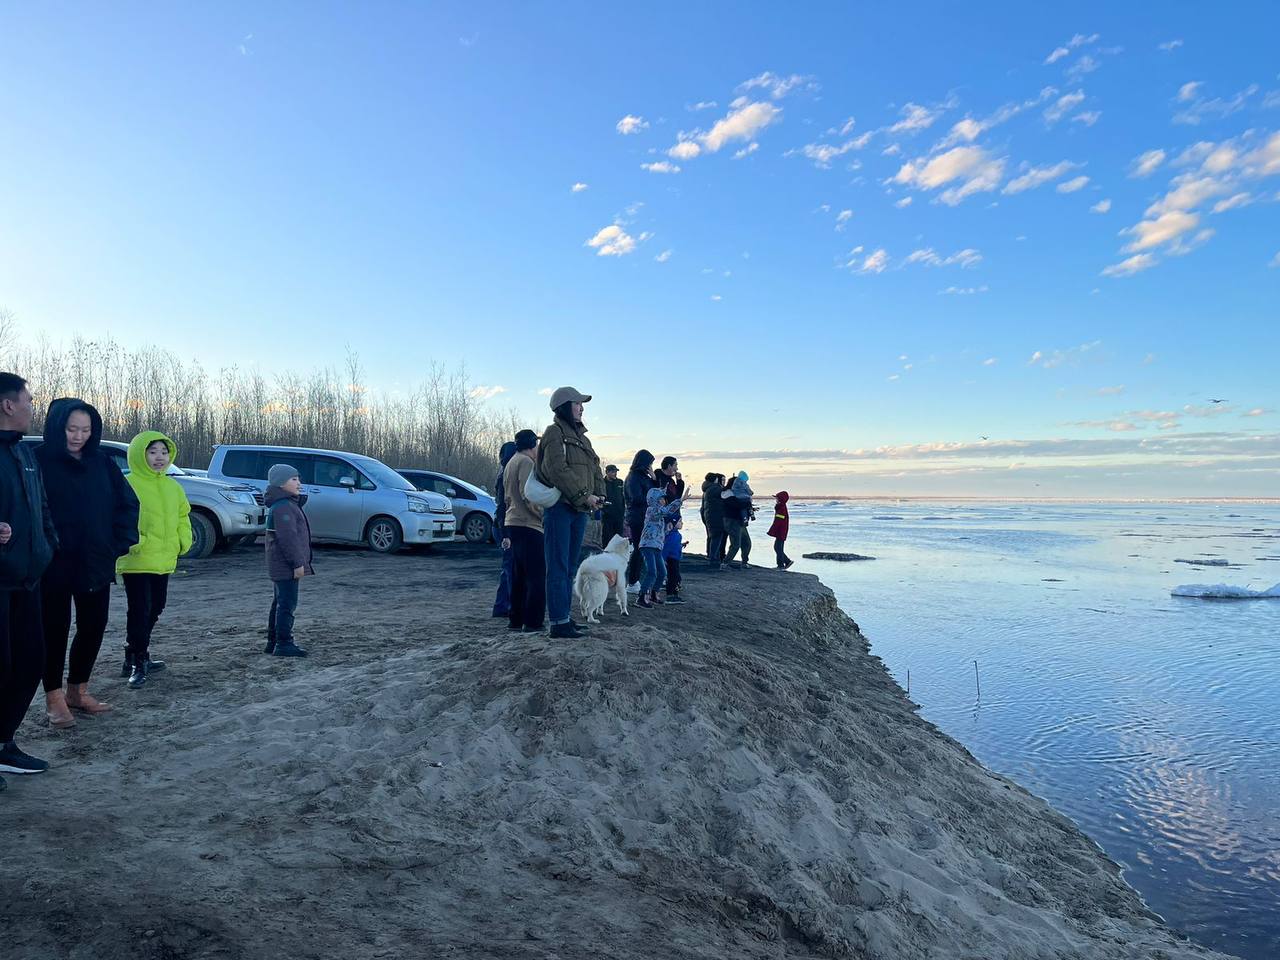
<point>830,244</point>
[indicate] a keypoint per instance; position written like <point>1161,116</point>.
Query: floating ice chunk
<point>1211,562</point>
<point>1222,591</point>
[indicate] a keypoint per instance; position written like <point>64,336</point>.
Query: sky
<point>1010,250</point>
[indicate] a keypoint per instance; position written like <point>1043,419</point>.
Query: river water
<point>1153,721</point>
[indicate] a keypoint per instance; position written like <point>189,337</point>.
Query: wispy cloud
<point>1198,108</point>
<point>1147,164</point>
<point>1033,177</point>
<point>631,124</point>
<point>613,241</point>
<point>661,166</point>
<point>483,392</point>
<point>701,105</point>
<point>1062,106</point>
<point>664,256</point>
<point>967,257</point>
<point>746,151</point>
<point>963,291</point>
<point>916,118</point>
<point>1169,46</point>
<point>546,391</point>
<point>1079,40</point>
<point>823,153</point>
<point>842,218</point>
<point>971,169</point>
<point>1072,185</point>
<point>1102,206</point>
<point>1063,358</point>
<point>579,187</point>
<point>1128,267</point>
<point>744,121</point>
<point>1110,391</point>
<point>778,86</point>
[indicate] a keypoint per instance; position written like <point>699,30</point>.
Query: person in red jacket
<point>781,526</point>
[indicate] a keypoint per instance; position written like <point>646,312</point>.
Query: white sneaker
<point>633,588</point>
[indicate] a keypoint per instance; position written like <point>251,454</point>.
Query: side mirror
<point>451,492</point>
<point>348,482</point>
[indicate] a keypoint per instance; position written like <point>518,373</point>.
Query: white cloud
<point>1146,164</point>
<point>1127,268</point>
<point>1063,105</point>
<point>967,257</point>
<point>823,153</point>
<point>843,218</point>
<point>969,129</point>
<point>746,151</point>
<point>1187,192</point>
<point>875,262</point>
<point>1188,91</point>
<point>1110,391</point>
<point>483,392</point>
<point>778,87</point>
<point>716,297</point>
<point>1072,185</point>
<point>660,166</point>
<point>631,124</point>
<point>904,202</point>
<point>701,105</point>
<point>1057,54</point>
<point>990,362</point>
<point>1232,202</point>
<point>579,187</point>
<point>915,118</point>
<point>1088,117</point>
<point>976,170</point>
<point>963,291</point>
<point>1079,40</point>
<point>546,391</point>
<point>1164,229</point>
<point>685,150</point>
<point>1102,206</point>
<point>1201,108</point>
<point>1060,358</point>
<point>1086,64</point>
<point>1256,412</point>
<point>612,241</point>
<point>1038,176</point>
<point>664,256</point>
<point>1275,261</point>
<point>892,150</point>
<point>1169,45</point>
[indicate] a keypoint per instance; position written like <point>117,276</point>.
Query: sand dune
<point>734,778</point>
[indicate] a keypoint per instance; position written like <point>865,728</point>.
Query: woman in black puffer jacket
<point>640,481</point>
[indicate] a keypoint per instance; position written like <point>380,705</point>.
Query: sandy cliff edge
<point>738,778</point>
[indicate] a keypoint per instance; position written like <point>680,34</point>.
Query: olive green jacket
<point>568,462</point>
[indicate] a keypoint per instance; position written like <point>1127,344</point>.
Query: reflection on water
<point>1150,720</point>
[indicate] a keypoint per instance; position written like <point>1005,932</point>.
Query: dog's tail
<point>577,587</point>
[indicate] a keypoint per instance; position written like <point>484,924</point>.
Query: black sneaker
<point>154,666</point>
<point>13,760</point>
<point>675,598</point>
<point>2,783</point>
<point>565,631</point>
<point>138,675</point>
<point>580,627</point>
<point>788,565</point>
<point>538,629</point>
<point>127,668</point>
<point>289,650</point>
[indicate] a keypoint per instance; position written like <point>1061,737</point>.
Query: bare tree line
<point>438,425</point>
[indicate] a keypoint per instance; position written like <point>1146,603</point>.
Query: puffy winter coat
<point>93,507</point>
<point>781,518</point>
<point>656,518</point>
<point>164,524</point>
<point>25,508</point>
<point>288,535</point>
<point>568,462</point>
<point>713,506</point>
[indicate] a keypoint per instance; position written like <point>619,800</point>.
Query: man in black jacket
<point>95,512</point>
<point>614,516</point>
<point>27,542</point>
<point>713,507</point>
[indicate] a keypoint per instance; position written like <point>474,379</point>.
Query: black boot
<point>128,664</point>
<point>271,645</point>
<point>138,676</point>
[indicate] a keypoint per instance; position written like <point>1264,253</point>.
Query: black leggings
<point>21,656</point>
<point>92,609</point>
<point>147,593</point>
<point>780,549</point>
<point>635,566</point>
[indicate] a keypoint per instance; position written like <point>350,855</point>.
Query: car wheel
<point>204,537</point>
<point>383,535</point>
<point>477,527</point>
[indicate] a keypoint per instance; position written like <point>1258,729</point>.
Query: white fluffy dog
<point>600,575</point>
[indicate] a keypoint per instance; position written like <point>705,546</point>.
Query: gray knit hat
<point>280,474</point>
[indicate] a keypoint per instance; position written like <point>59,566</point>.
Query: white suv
<point>350,498</point>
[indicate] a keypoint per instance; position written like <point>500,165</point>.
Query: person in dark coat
<point>670,479</point>
<point>713,518</point>
<point>288,555</point>
<point>614,519</point>
<point>502,601</point>
<point>640,480</point>
<point>95,512</point>
<point>779,529</point>
<point>27,541</point>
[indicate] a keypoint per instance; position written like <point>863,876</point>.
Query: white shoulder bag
<point>537,492</point>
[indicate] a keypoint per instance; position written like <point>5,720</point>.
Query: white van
<point>350,498</point>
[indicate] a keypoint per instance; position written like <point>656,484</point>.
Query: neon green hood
<point>138,452</point>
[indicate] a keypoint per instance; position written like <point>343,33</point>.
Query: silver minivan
<point>350,498</point>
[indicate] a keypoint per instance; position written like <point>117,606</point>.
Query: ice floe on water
<point>1222,591</point>
<point>1211,562</point>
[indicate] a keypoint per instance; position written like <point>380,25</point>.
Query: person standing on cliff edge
<point>27,542</point>
<point>567,461</point>
<point>779,529</point>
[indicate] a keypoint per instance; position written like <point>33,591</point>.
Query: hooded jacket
<point>164,524</point>
<point>94,509</point>
<point>24,507</point>
<point>636,493</point>
<point>568,462</point>
<point>781,517</point>
<point>713,505</point>
<point>288,535</point>
<point>656,517</point>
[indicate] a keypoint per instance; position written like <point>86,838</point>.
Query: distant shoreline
<point>921,499</point>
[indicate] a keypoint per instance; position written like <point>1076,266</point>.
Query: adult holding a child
<point>567,462</point>
<point>95,512</point>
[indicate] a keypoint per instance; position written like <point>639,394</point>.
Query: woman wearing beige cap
<point>567,461</point>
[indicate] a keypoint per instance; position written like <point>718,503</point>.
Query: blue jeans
<point>562,529</point>
<point>283,604</point>
<point>502,602</point>
<point>653,567</point>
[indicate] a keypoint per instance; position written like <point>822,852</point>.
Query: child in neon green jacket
<point>164,534</point>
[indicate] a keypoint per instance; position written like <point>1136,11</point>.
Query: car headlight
<point>237,496</point>
<point>418,505</point>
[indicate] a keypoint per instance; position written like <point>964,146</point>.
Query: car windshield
<point>383,475</point>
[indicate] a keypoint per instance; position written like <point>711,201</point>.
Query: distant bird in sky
<point>1211,400</point>
<point>984,438</point>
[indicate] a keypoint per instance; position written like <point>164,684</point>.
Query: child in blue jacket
<point>672,552</point>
